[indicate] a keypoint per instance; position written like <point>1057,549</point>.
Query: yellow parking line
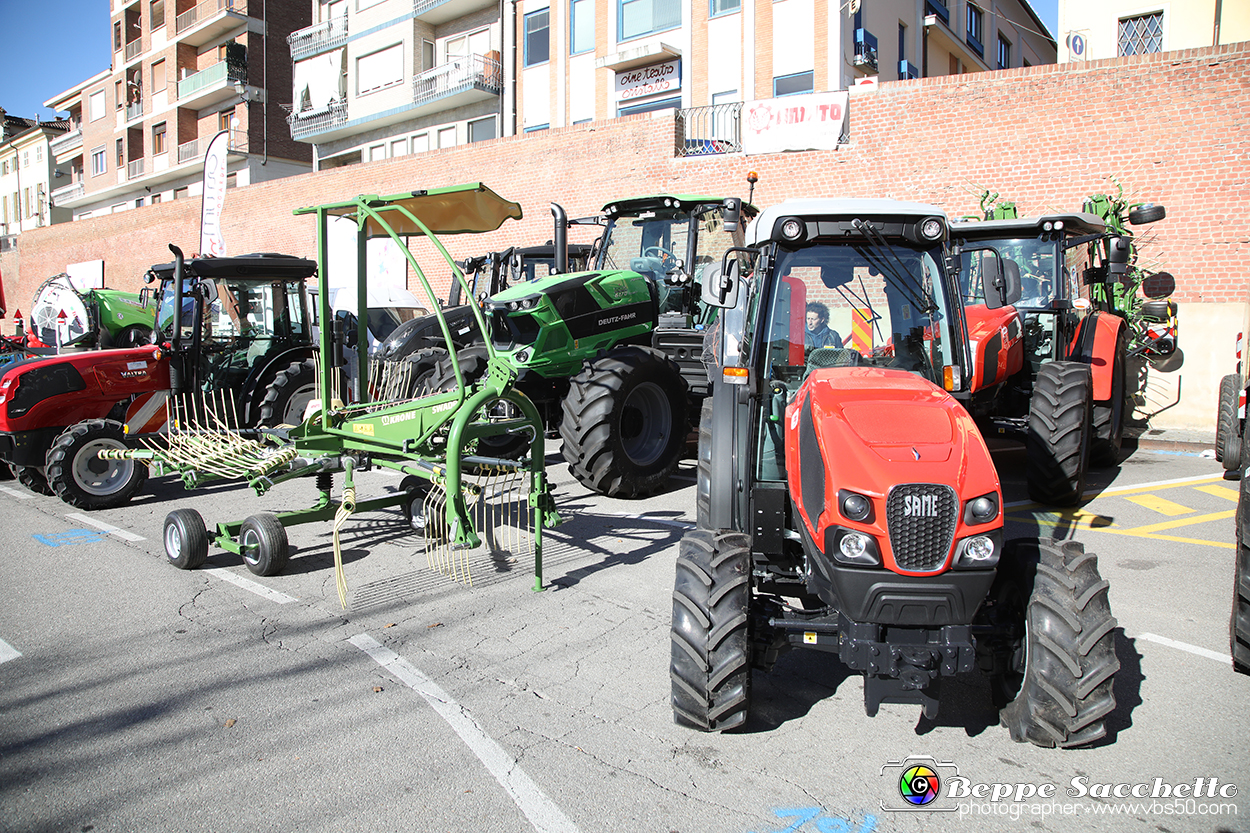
<point>1219,491</point>
<point>1196,519</point>
<point>1161,505</point>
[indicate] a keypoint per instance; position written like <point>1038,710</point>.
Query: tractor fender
<point>995,339</point>
<point>1094,344</point>
<point>871,430</point>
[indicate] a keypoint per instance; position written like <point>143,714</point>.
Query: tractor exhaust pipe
<point>560,239</point>
<point>175,361</point>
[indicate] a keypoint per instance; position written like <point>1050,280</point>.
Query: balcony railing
<point>318,38</point>
<point>134,169</point>
<point>204,11</point>
<point>310,123</point>
<point>218,72</point>
<point>66,142</point>
<point>134,111</point>
<point>68,193</point>
<point>134,48</point>
<point>190,151</point>
<point>456,76</point>
<point>710,130</point>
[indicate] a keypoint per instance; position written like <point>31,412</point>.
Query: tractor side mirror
<point>1000,277</point>
<point>145,297</point>
<point>732,213</point>
<point>720,286</point>
<point>1119,250</point>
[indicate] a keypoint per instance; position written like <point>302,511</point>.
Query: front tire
<point>33,478</point>
<point>82,479</point>
<point>1239,625</point>
<point>1227,423</point>
<point>1068,662</point>
<point>289,394</point>
<point>263,544</point>
<point>624,423</point>
<point>186,539</point>
<point>1059,433</point>
<point>711,645</point>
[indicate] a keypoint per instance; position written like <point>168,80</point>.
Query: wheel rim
<point>298,403</point>
<point>416,513</point>
<point>101,477</point>
<point>646,424</point>
<point>173,541</point>
<point>249,545</point>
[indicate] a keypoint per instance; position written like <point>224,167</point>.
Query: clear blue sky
<point>49,46</point>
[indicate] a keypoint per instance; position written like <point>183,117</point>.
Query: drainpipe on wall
<point>509,49</point>
<point>1215,35</point>
<point>264,72</point>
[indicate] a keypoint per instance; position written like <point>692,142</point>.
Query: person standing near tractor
<point>819,333</point>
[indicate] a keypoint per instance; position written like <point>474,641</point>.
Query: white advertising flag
<point>815,121</point>
<point>211,240</point>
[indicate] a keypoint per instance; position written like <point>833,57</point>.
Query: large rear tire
<point>80,478</point>
<point>289,394</point>
<point>624,422</point>
<point>1109,415</point>
<point>1239,626</point>
<point>1059,433</point>
<point>711,645</point>
<point>1065,668</point>
<point>1227,423</point>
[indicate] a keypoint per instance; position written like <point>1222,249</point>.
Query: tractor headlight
<point>854,506</point>
<point>978,551</point>
<point>856,548</point>
<point>981,510</point>
<point>792,228</point>
<point>931,229</point>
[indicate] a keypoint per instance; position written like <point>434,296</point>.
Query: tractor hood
<point>874,432</point>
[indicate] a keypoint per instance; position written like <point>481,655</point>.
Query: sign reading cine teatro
<point>647,81</point>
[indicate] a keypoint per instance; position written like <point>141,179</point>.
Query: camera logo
<point>916,784</point>
<point>919,785</point>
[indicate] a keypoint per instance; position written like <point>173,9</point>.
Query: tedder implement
<point>845,499</point>
<point>454,492</point>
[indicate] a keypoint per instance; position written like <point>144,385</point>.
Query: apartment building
<point>375,79</point>
<point>383,78</point>
<point>27,174</point>
<point>1116,28</point>
<point>182,71</point>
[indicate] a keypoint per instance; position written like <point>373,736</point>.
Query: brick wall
<point>1173,127</point>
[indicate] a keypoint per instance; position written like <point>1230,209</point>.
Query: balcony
<point>134,111</point>
<point>190,151</point>
<point>210,86</point>
<point>457,82</point>
<point>907,70</point>
<point>66,144</point>
<point>134,49</point>
<point>437,12</point>
<point>209,20</point>
<point>314,122</point>
<point>134,169</point>
<point>320,37</point>
<point>865,50</point>
<point>706,131</point>
<point>68,193</point>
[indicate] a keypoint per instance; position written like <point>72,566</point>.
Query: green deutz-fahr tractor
<point>847,502</point>
<point>611,356</point>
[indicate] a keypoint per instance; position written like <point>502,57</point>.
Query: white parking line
<point>541,811</point>
<point>249,585</point>
<point>1185,646</point>
<point>20,495</point>
<point>8,652</point>
<point>109,528</point>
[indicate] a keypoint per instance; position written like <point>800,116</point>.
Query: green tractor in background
<point>64,316</point>
<point>612,356</point>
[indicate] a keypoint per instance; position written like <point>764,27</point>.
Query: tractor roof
<point>1081,223</point>
<point>264,266</point>
<point>683,201</point>
<point>838,208</point>
<point>457,209</point>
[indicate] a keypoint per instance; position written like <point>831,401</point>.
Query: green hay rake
<point>459,497</point>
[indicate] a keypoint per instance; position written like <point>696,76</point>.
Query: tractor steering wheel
<point>667,259</point>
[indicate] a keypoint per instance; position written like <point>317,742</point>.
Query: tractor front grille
<point>921,520</point>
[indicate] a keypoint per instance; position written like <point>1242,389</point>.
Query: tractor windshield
<point>1036,259</point>
<point>858,305</point>
<point>649,243</point>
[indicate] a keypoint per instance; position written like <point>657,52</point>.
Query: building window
<point>1004,52</point>
<point>98,162</point>
<point>427,55</point>
<point>399,147</point>
<point>158,76</point>
<point>447,137</point>
<point>157,14</point>
<point>642,17</point>
<point>156,198</point>
<point>25,159</point>
<point>472,43</point>
<point>482,129</point>
<point>537,38</point>
<point>377,152</point>
<point>158,139</point>
<point>724,7</point>
<point>420,142</point>
<point>1141,35</point>
<point>581,26</point>
<point>727,97</point>
<point>902,42</point>
<point>796,84</point>
<point>38,153</point>
<point>379,70</point>
<point>649,106</point>
<point>117,36</point>
<point>225,119</point>
<point>119,94</point>
<point>975,29</point>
